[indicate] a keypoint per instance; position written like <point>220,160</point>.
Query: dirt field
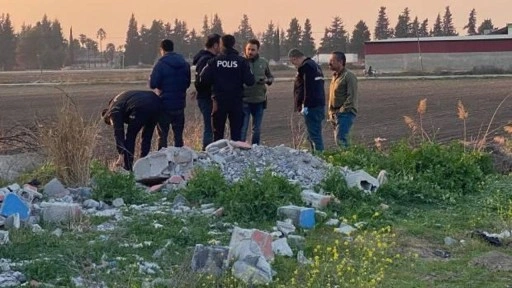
<point>382,105</point>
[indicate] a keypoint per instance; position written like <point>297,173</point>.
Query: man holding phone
<point>255,97</point>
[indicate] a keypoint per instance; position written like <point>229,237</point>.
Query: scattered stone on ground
<point>55,189</point>
<point>281,247</point>
<point>315,200</point>
<point>345,229</point>
<point>118,202</point>
<point>210,259</point>
<point>448,241</point>
<point>8,277</point>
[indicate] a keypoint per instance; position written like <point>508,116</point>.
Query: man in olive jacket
<point>342,98</point>
<point>255,97</point>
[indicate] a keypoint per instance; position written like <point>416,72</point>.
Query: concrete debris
<point>118,202</point>
<point>332,222</point>
<point>210,259</point>
<point>57,232</point>
<point>239,246</point>
<point>361,180</point>
<point>13,222</point>
<point>37,229</point>
<point>60,212</point>
<point>4,237</point>
<point>302,259</point>
<point>286,227</point>
<point>345,229</point>
<point>315,200</point>
<point>81,282</point>
<point>448,241</point>
<point>11,278</point>
<point>302,217</point>
<point>55,189</point>
<point>91,204</point>
<point>281,247</point>
<point>253,270</point>
<point>148,268</point>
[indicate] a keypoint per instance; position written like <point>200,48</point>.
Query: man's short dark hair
<point>340,56</point>
<point>167,45</point>
<point>228,41</point>
<point>211,40</point>
<point>254,42</point>
<point>295,53</point>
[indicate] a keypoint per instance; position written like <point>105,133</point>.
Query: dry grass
<point>69,142</point>
<point>462,114</point>
<point>415,127</point>
<point>298,129</point>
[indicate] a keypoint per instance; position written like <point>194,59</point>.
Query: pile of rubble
<point>174,166</point>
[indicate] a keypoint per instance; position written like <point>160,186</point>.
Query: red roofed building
<point>490,52</point>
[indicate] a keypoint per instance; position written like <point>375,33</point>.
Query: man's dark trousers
<point>146,122</point>
<point>175,119</point>
<point>205,105</point>
<point>228,109</point>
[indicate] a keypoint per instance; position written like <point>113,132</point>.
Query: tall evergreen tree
<point>7,43</point>
<point>335,37</point>
<point>486,25</point>
<point>267,42</point>
<point>437,30</point>
<point>423,32</point>
<point>216,26</point>
<point>415,28</point>
<point>282,43</point>
<point>448,27</point>
<point>196,42</point>
<point>403,26</point>
<point>382,30</point>
<point>471,26</point>
<point>70,60</point>
<point>293,35</point>
<point>205,30</point>
<point>244,33</point>
<point>307,40</point>
<point>133,47</point>
<point>101,35</point>
<point>150,40</point>
<point>180,37</point>
<point>360,35</point>
<point>277,45</point>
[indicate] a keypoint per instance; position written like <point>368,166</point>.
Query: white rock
<point>332,222</point>
<point>345,229</point>
<point>281,247</point>
<point>118,202</point>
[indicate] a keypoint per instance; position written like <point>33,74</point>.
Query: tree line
<point>43,45</point>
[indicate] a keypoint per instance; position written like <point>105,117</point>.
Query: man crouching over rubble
<point>138,109</point>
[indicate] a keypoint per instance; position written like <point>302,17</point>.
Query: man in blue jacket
<point>170,79</point>
<point>227,73</point>
<point>309,92</point>
<point>204,92</point>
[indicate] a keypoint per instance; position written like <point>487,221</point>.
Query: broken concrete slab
<point>361,180</point>
<point>332,222</point>
<point>151,168</point>
<point>239,246</point>
<point>13,221</point>
<point>13,204</point>
<point>285,227</point>
<point>241,145</point>
<point>175,179</point>
<point>55,189</point>
<point>302,217</point>
<point>91,204</point>
<point>4,237</point>
<point>217,146</point>
<point>253,270</point>
<point>210,259</point>
<point>315,200</point>
<point>118,202</point>
<point>281,247</point>
<point>345,229</point>
<point>60,212</point>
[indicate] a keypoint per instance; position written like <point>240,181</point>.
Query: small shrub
<point>69,143</point>
<point>206,185</point>
<point>256,198</point>
<point>108,186</point>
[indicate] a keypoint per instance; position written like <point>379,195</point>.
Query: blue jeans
<point>344,121</point>
<point>314,119</point>
<point>205,106</point>
<point>256,110</point>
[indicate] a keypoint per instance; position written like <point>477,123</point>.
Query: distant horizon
<point>78,14</point>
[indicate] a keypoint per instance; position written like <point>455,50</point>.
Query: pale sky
<point>87,16</point>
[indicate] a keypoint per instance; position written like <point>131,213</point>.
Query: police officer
<point>138,109</point>
<point>227,73</point>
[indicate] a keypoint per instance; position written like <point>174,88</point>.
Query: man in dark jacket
<point>309,92</point>
<point>138,109</point>
<point>170,79</point>
<point>204,92</point>
<point>227,73</point>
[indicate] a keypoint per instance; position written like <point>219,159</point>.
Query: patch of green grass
<point>206,186</point>
<point>108,186</point>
